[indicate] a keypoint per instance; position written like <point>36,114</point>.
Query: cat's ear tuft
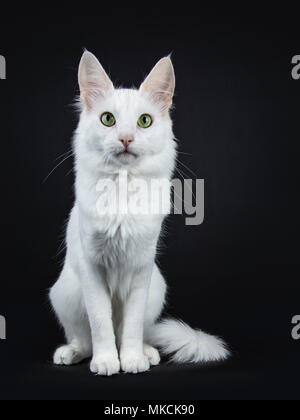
<point>160,84</point>
<point>93,80</point>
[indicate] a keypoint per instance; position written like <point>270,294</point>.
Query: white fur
<point>110,292</point>
<point>187,345</point>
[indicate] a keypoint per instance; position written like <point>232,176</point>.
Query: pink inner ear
<point>160,84</point>
<point>93,80</point>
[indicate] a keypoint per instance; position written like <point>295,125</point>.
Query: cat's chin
<point>125,158</point>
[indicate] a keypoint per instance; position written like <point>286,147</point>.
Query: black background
<point>236,115</point>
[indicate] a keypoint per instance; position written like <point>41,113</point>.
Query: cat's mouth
<point>126,156</point>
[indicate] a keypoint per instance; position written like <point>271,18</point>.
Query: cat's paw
<point>68,356</point>
<point>152,354</point>
<point>132,362</point>
<point>105,365</point>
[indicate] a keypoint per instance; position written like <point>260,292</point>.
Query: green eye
<point>108,119</point>
<point>145,121</point>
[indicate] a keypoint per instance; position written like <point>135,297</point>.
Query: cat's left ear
<point>93,80</point>
<point>160,84</point>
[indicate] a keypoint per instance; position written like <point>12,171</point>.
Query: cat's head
<point>127,128</point>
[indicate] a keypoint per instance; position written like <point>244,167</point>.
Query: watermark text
<point>2,328</point>
<point>296,68</point>
<point>2,67</point>
<point>138,196</point>
<point>296,329</point>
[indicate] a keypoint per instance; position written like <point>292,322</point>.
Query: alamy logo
<point>296,68</point>
<point>142,197</point>
<point>2,67</point>
<point>2,328</point>
<point>296,329</point>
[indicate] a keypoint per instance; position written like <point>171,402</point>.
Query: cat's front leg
<point>133,359</point>
<point>105,360</point>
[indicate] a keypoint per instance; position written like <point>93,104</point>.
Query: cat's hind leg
<point>67,300</point>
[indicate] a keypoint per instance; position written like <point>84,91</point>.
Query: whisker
<point>183,153</point>
<point>182,173</point>
<point>185,184</point>
<point>64,154</point>
<point>57,166</point>
<point>186,167</point>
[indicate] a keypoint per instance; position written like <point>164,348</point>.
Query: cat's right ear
<point>93,80</point>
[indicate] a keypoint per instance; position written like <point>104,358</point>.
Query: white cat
<point>111,293</point>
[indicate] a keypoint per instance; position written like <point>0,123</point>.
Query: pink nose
<point>126,141</point>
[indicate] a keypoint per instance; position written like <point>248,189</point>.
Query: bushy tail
<point>186,345</point>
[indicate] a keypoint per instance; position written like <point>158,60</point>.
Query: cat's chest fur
<point>119,239</point>
<point>117,234</point>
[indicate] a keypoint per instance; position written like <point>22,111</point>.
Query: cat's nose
<point>126,141</point>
